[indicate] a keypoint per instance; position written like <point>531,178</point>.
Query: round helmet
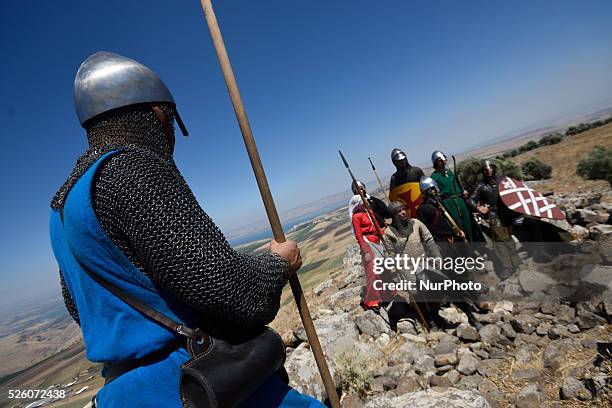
<point>107,81</point>
<point>427,183</point>
<point>398,155</point>
<point>487,164</point>
<point>360,184</point>
<point>437,155</point>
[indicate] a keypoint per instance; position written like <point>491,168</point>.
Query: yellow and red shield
<point>408,193</point>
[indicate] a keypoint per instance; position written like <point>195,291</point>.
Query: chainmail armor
<point>147,209</point>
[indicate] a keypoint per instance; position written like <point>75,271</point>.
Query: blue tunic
<point>114,331</point>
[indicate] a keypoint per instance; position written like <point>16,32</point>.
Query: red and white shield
<point>518,197</point>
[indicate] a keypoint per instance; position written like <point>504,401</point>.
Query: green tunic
<point>453,201</point>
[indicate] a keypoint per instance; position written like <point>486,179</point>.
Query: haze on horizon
<point>315,77</point>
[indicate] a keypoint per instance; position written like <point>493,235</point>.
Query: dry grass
<point>564,157</point>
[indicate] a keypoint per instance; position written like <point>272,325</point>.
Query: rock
<point>372,324</point>
<point>490,334</point>
<point>601,232</point>
<point>424,364</point>
<point>524,323</point>
<point>497,353</point>
<point>290,339</point>
<point>453,376</point>
<point>470,382</point>
<point>444,369</point>
<point>549,308</point>
<point>452,316</point>
<point>351,400</point>
<point>535,281</point>
<point>573,329</point>
<point>588,320</point>
<point>572,388</point>
<point>387,383</point>
<point>543,328</point>
<point>468,364</point>
<point>344,297</point>
<point>527,373</point>
<point>437,381</point>
<point>580,232</point>
<point>436,398</point>
<point>487,368</point>
<point>508,331</point>
<point>408,384</point>
<point>565,314</point>
<point>467,332</point>
<point>503,307</point>
<point>417,339</point>
<point>488,318</point>
<point>557,352</point>
<point>445,359</point>
<point>558,331</point>
<point>482,354</point>
<point>589,343</point>
<point>530,397</point>
<point>337,334</point>
<point>585,216</point>
<point>445,347</point>
<point>526,354</point>
<point>407,354</point>
<point>322,287</point>
<point>490,391</point>
<point>303,372</point>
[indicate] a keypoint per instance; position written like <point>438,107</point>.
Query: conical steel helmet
<point>427,183</point>
<point>437,155</point>
<point>107,81</point>
<point>397,154</point>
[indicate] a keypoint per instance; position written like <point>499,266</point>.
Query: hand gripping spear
<point>266,196</point>
<point>370,213</point>
<point>378,178</point>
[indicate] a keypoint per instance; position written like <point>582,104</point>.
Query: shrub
<point>530,145</point>
<point>469,171</point>
<point>354,374</point>
<point>551,139</point>
<point>536,169</point>
<point>597,165</point>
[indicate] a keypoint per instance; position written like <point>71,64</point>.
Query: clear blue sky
<point>364,76</point>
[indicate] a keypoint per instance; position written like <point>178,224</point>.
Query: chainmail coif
<point>148,210</point>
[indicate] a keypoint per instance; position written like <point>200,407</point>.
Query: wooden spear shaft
<point>266,196</point>
<point>379,182</point>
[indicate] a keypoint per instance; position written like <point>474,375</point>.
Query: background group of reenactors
<point>435,216</point>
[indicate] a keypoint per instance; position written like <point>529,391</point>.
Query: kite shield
<point>522,199</point>
<point>410,193</point>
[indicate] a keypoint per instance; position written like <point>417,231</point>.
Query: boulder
<point>408,384</point>
<point>445,347</point>
<point>601,232</point>
<point>424,365</point>
<point>490,334</point>
<point>452,316</point>
<point>556,352</point>
<point>530,397</point>
<point>572,388</point>
<point>526,354</point>
<point>535,281</point>
<point>524,323</point>
<point>372,324</point>
<point>468,363</point>
<point>467,332</point>
<point>445,359</point>
<point>433,398</point>
<point>565,314</point>
<point>588,320</point>
<point>303,372</point>
<point>337,333</point>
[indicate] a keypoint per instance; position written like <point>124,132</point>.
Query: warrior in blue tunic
<point>126,214</point>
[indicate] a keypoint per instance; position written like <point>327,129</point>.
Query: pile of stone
<point>589,213</point>
<point>522,354</point>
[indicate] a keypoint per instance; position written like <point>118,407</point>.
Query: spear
<point>368,209</point>
<point>266,195</point>
<point>378,178</point>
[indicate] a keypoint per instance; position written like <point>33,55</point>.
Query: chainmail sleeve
<point>68,301</point>
<point>147,209</point>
